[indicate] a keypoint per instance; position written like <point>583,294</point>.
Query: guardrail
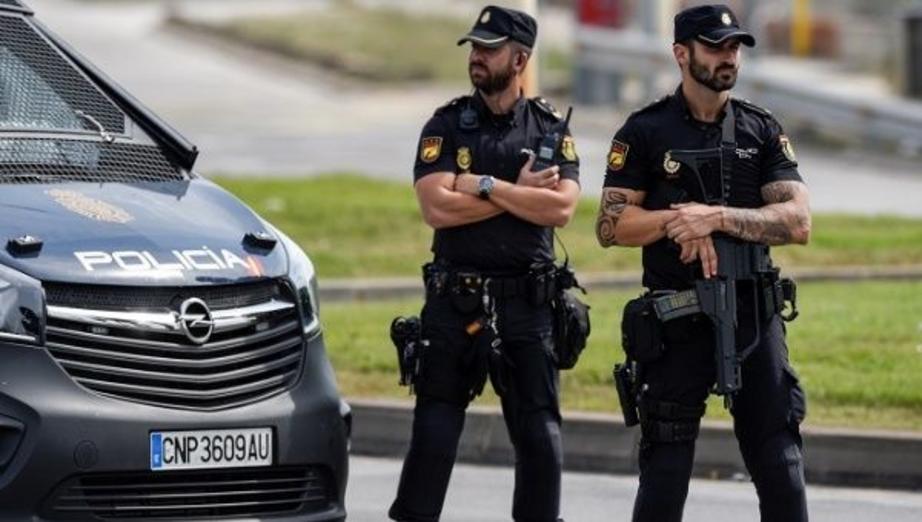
<point>603,54</point>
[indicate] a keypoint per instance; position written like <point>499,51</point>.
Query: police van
<point>161,350</point>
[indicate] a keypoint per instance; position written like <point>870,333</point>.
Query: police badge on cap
<point>497,25</point>
<point>711,25</point>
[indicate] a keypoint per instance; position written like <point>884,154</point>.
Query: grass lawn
<point>383,44</point>
<point>373,43</point>
<point>857,347</point>
<point>354,226</point>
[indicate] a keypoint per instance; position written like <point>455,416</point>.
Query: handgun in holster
<point>406,334</point>
<point>625,376</point>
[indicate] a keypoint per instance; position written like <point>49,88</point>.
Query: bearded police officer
<point>489,286</point>
<point>705,183</point>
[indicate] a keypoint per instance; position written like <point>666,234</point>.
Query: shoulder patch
<point>568,149</point>
<point>617,155</point>
<point>453,103</point>
<point>652,106</point>
<point>430,149</point>
<point>787,148</point>
<point>753,107</point>
<point>546,106</point>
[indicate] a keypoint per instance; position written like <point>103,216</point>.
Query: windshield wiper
<point>106,137</point>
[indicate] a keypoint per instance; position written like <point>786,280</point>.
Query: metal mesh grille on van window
<point>39,89</point>
<point>58,160</point>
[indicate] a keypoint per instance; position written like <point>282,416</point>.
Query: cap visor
<point>720,36</point>
<point>484,38</point>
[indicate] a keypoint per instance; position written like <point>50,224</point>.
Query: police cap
<point>497,25</point>
<point>711,25</point>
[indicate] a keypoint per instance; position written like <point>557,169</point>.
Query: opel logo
<point>195,320</point>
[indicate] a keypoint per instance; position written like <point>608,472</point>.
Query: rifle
<point>744,268</point>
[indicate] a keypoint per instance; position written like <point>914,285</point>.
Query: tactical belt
<point>509,287</point>
<point>442,279</point>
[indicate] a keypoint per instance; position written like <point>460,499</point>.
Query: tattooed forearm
<point>783,220</point>
<point>758,225</point>
<point>614,201</point>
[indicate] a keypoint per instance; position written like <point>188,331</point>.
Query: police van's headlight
<point>302,274</point>
<point>21,308</point>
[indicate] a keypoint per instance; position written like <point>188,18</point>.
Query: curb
<point>602,444</point>
<point>369,289</point>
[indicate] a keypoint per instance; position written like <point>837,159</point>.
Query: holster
<point>406,334</point>
<point>642,331</point>
<point>571,329</point>
<point>626,386</point>
<point>777,292</point>
<point>571,319</point>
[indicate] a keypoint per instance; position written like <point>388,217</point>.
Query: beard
<point>722,79</point>
<point>489,82</point>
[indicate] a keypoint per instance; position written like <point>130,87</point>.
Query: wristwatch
<point>486,185</point>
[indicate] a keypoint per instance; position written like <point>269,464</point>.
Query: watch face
<point>486,186</point>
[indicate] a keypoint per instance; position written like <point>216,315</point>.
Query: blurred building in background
<point>848,68</point>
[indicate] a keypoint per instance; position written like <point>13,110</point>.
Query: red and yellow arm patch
<point>617,156</point>
<point>430,149</point>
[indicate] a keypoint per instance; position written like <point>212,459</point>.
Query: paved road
<point>482,494</point>
<point>249,114</point>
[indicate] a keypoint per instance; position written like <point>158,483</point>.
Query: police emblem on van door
<point>464,159</point>
<point>671,166</point>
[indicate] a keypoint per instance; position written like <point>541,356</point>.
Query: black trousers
<point>530,406</point>
<point>767,413</point>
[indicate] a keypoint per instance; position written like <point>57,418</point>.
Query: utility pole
<point>531,71</point>
<point>801,28</point>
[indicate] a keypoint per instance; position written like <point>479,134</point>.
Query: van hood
<point>174,233</point>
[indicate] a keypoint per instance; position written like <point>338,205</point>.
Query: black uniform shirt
<point>638,161</point>
<point>504,243</point>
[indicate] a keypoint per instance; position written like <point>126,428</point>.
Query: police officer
<point>651,200</point>
<point>493,219</point>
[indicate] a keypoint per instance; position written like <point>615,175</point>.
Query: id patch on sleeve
<point>617,156</point>
<point>787,148</point>
<point>568,148</point>
<point>430,149</point>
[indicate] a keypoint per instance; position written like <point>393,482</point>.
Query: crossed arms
<point>449,200</point>
<point>784,219</point>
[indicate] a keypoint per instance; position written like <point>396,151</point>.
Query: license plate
<point>170,450</point>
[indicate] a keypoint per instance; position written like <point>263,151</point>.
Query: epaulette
<point>654,105</point>
<point>753,107</point>
<point>453,103</point>
<point>546,106</point>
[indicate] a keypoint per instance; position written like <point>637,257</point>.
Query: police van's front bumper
<point>67,453</point>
